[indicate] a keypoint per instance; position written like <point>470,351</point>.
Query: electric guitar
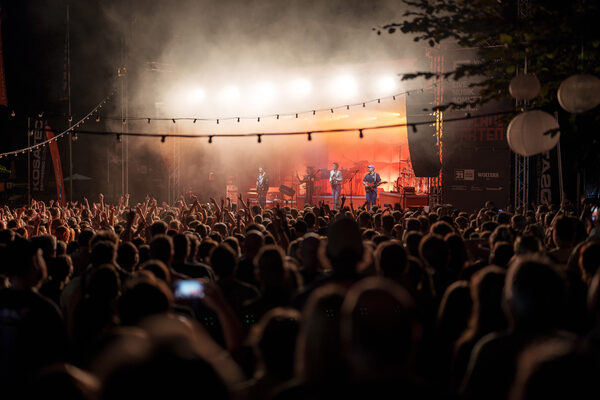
<point>264,186</point>
<point>371,187</point>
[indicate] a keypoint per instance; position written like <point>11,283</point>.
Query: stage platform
<point>383,198</point>
<point>406,200</point>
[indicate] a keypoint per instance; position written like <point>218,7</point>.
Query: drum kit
<point>407,179</point>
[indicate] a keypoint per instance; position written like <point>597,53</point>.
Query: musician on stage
<point>309,180</point>
<point>262,187</point>
<point>335,179</point>
<point>371,181</point>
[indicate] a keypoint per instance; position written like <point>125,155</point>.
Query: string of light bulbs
<point>63,133</point>
<point>308,134</point>
<point>258,118</point>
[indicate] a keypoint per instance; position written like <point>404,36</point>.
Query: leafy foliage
<point>557,38</point>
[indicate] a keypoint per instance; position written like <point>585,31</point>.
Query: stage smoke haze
<point>245,59</point>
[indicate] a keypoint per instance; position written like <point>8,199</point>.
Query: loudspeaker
<point>409,189</point>
<point>287,190</point>
<point>424,152</point>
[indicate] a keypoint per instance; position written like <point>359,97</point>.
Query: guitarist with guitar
<point>262,187</point>
<point>371,181</point>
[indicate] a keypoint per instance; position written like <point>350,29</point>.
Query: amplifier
<point>408,189</point>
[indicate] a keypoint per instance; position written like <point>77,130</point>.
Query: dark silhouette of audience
<point>291,303</point>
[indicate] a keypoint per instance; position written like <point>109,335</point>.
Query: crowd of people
<point>297,304</point>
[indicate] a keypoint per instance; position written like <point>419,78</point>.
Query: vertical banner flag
<point>547,168</point>
<point>3,93</point>
<point>58,175</point>
<point>38,158</point>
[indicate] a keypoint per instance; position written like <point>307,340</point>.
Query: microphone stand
<point>351,180</point>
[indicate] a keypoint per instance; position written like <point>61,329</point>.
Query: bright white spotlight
<point>300,87</point>
<point>229,93</point>
<point>345,86</point>
<point>196,95</point>
<point>387,83</point>
<point>265,92</point>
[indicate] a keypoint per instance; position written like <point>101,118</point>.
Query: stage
<point>384,199</point>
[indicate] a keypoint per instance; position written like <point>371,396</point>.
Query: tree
<point>555,38</point>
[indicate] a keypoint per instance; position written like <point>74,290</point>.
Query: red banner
<point>60,188</point>
<point>3,95</point>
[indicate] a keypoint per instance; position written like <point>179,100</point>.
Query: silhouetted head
<point>319,352</point>
<point>270,266</point>
<point>254,241</point>
<point>103,252</point>
<point>434,252</point>
<point>344,245</point>
<point>223,261</point>
<point>534,294</point>
<point>127,256</point>
<point>143,297</point>
<point>161,248</point>
<point>274,338</point>
<point>379,328</point>
<point>391,260</point>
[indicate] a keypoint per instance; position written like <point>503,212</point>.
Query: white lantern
<point>524,87</point>
<point>529,134</point>
<point>579,93</point>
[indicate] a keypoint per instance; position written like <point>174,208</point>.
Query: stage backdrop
<point>230,164</point>
<point>235,161</point>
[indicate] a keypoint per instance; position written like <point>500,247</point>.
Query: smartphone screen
<point>595,213</point>
<point>189,289</point>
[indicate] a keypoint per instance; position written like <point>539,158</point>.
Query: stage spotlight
<point>344,86</point>
<point>300,87</point>
<point>196,95</point>
<point>265,92</point>
<point>387,83</point>
<point>229,94</point>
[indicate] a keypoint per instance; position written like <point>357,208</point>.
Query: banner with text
<point>475,154</point>
<point>38,159</point>
<point>546,177</point>
<point>58,175</point>
<point>41,186</point>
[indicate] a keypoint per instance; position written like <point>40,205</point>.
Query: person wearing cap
<point>262,187</point>
<point>371,181</point>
